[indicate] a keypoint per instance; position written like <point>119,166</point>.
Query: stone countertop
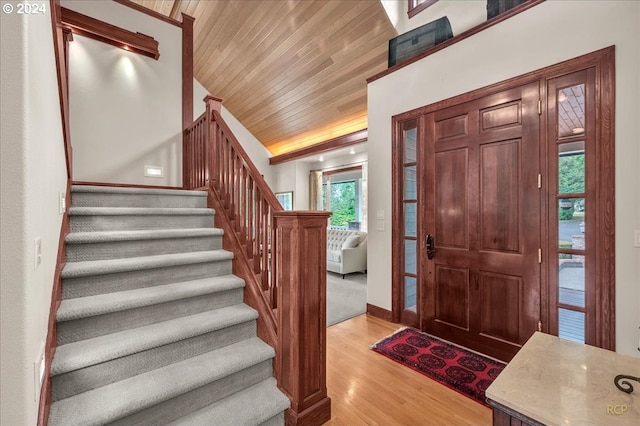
<point>557,382</point>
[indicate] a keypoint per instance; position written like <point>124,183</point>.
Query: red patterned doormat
<point>461,370</point>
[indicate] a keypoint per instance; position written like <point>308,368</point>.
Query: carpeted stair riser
<point>263,397</point>
<point>199,398</point>
<point>126,397</point>
<point>87,328</point>
<point>82,252</point>
<point>91,222</point>
<point>72,383</point>
<point>132,197</point>
<point>109,283</point>
<point>277,420</point>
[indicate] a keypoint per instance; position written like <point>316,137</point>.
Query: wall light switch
<point>380,225</point>
<point>380,214</point>
<point>37,252</point>
<point>636,238</point>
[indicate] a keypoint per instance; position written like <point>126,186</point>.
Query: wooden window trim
<point>98,30</point>
<point>455,39</point>
<point>339,170</point>
<point>415,7</point>
<point>399,314</point>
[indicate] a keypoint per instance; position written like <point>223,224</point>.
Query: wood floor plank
<point>367,388</point>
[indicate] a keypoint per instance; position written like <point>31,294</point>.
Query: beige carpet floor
<point>346,298</point>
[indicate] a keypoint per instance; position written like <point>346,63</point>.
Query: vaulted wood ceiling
<point>293,72</point>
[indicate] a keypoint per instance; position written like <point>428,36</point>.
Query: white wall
<point>293,176</point>
<point>462,15</point>
<point>257,152</point>
<point>32,172</point>
<point>509,49</point>
<point>125,108</point>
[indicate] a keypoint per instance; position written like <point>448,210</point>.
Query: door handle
<point>431,251</point>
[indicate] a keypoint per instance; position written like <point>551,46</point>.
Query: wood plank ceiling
<point>293,72</point>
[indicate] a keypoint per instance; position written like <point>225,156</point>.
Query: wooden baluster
<point>232,152</point>
<point>200,156</point>
<point>242,199</point>
<point>236,193</point>
<point>267,245</point>
<point>197,156</point>
<point>257,258</point>
<point>301,356</point>
<point>190,160</point>
<point>271,276</point>
<point>250,222</point>
<point>225,172</point>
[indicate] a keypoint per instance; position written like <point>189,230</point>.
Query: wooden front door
<point>481,217</point>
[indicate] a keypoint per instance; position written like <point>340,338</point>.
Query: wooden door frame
<point>603,61</point>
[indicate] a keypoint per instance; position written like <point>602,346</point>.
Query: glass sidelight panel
<point>410,219</point>
<point>410,186</point>
<point>571,168</point>
<point>410,145</point>
<point>571,280</point>
<point>410,293</point>
<point>410,257</point>
<point>571,111</point>
<point>571,325</point>
<point>571,223</point>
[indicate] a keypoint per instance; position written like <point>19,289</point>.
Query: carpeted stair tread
<point>152,234</point>
<point>264,398</point>
<point>83,307</point>
<point>77,355</point>
<point>127,190</point>
<point>139,211</point>
<point>117,400</point>
<point>111,266</point>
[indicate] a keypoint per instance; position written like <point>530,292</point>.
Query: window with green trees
<point>342,202</point>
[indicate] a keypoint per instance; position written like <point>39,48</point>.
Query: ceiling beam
<point>329,145</point>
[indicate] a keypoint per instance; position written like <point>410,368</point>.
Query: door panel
<point>451,217</point>
<point>499,196</point>
<point>500,306</point>
<point>452,296</point>
<point>483,209</point>
<point>501,116</point>
<point>451,127</point>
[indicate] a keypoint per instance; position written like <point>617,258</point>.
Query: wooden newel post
<point>213,104</point>
<point>210,154</point>
<point>301,247</point>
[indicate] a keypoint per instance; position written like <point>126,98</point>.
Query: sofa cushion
<point>351,242</point>
<point>334,256</point>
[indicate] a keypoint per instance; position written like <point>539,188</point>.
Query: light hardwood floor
<point>367,388</point>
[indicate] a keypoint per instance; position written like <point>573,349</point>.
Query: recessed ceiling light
<point>321,158</point>
<point>577,130</point>
<point>353,151</point>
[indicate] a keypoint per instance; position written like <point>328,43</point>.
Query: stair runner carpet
<point>152,328</point>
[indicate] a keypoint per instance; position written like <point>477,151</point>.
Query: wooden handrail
<point>281,256</point>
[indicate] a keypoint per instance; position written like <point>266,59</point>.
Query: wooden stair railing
<point>280,255</point>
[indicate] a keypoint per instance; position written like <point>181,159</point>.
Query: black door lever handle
<point>430,247</point>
